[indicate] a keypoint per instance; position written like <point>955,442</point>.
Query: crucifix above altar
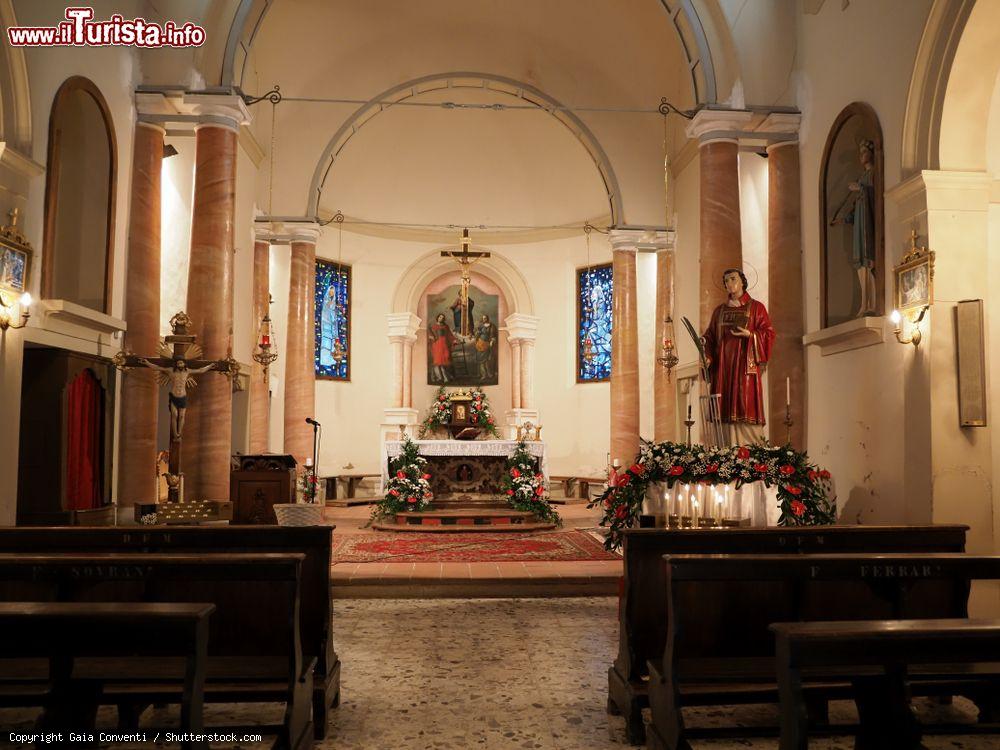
<point>465,259</point>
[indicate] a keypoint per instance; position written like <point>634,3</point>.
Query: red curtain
<point>83,459</point>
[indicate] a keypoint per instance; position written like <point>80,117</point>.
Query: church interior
<point>566,374</point>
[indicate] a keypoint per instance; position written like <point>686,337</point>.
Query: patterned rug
<point>555,546</point>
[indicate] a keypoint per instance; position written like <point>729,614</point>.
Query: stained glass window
<point>593,330</point>
<point>333,321</point>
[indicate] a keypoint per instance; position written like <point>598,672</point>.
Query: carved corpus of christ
<point>179,378</point>
<point>465,260</point>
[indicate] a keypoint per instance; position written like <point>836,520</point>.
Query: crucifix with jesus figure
<point>178,363</point>
<point>465,260</point>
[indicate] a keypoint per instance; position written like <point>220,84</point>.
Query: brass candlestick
<point>689,423</point>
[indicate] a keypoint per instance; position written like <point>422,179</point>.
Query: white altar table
<point>456,448</point>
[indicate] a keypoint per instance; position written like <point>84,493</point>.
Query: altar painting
<point>462,340</point>
<point>333,321</point>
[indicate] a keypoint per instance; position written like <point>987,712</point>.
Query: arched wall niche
<point>840,292</point>
<point>80,193</point>
<point>497,269</point>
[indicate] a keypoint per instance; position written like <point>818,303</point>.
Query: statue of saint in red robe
<point>738,345</point>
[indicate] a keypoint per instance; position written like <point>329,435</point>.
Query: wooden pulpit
<point>257,483</point>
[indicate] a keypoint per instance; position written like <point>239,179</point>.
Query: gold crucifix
<point>465,260</point>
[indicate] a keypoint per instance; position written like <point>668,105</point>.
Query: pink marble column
<point>721,239</point>
<point>624,357</point>
<point>207,439</point>
<point>664,382</point>
<point>260,412</point>
<point>137,476</point>
<point>300,378</point>
<point>784,230</point>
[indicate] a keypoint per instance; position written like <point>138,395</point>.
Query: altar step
<point>465,520</point>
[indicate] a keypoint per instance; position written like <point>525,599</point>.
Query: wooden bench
<point>254,650</point>
<point>315,616</point>
<point>642,611</point>
<point>889,645</point>
<point>352,481</point>
<point>63,632</point>
<point>720,651</point>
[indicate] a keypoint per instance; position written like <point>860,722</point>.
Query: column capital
<point>783,126</point>
<point>403,326</point>
<point>623,239</point>
<point>226,110</point>
<point>718,125</point>
<point>522,327</point>
<point>262,234</point>
<point>304,232</point>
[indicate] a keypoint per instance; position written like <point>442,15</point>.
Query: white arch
<point>425,84</point>
<point>431,265</point>
<point>15,100</point>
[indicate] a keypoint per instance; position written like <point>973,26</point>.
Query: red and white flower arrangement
<point>409,486</point>
<point>524,486</point>
<point>803,488</point>
<point>440,411</point>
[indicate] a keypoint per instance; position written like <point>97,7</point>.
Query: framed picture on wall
<point>914,279</point>
<point>15,258</point>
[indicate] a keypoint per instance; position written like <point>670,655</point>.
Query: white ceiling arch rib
<point>458,80</point>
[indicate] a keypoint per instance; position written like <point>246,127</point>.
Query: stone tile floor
<point>500,674</point>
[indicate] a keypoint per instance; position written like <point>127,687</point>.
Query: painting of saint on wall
<point>333,321</point>
<point>462,337</point>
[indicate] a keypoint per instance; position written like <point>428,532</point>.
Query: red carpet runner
<point>557,546</point>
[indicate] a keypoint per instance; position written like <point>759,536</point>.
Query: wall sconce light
<point>897,321</point>
<point>5,311</point>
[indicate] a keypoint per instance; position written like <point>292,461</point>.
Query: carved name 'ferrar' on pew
<point>254,647</point>
<point>643,608</point>
<point>706,662</point>
<point>314,542</point>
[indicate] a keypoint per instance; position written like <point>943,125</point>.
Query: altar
<point>464,469</point>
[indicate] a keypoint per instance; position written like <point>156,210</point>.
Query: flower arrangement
<point>525,487</point>
<point>409,487</point>
<point>803,488</point>
<point>440,411</point>
<point>309,484</point>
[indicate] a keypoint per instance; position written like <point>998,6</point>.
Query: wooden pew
<point>643,619</point>
<point>316,616</point>
<point>62,632</point>
<point>720,651</point>
<point>803,648</point>
<point>254,648</point>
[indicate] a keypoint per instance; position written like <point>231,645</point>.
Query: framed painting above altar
<point>462,339</point>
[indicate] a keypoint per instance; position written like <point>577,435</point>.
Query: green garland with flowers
<point>480,414</point>
<point>409,486</point>
<point>803,488</point>
<point>524,486</point>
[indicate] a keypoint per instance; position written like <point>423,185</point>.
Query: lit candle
<point>309,462</point>
<point>788,391</point>
<point>616,464</point>
<point>265,340</point>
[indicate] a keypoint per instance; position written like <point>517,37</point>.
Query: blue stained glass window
<point>333,321</point>
<point>593,330</point>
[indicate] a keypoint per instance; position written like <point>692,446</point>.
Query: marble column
<point>260,411</point>
<point>785,303</point>
<point>300,377</point>
<point>398,375</point>
<point>137,476</point>
<point>664,381</point>
<point>624,352</point>
<point>717,132</point>
<point>400,415</point>
<point>522,330</point>
<point>515,373</point>
<point>207,431</point>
